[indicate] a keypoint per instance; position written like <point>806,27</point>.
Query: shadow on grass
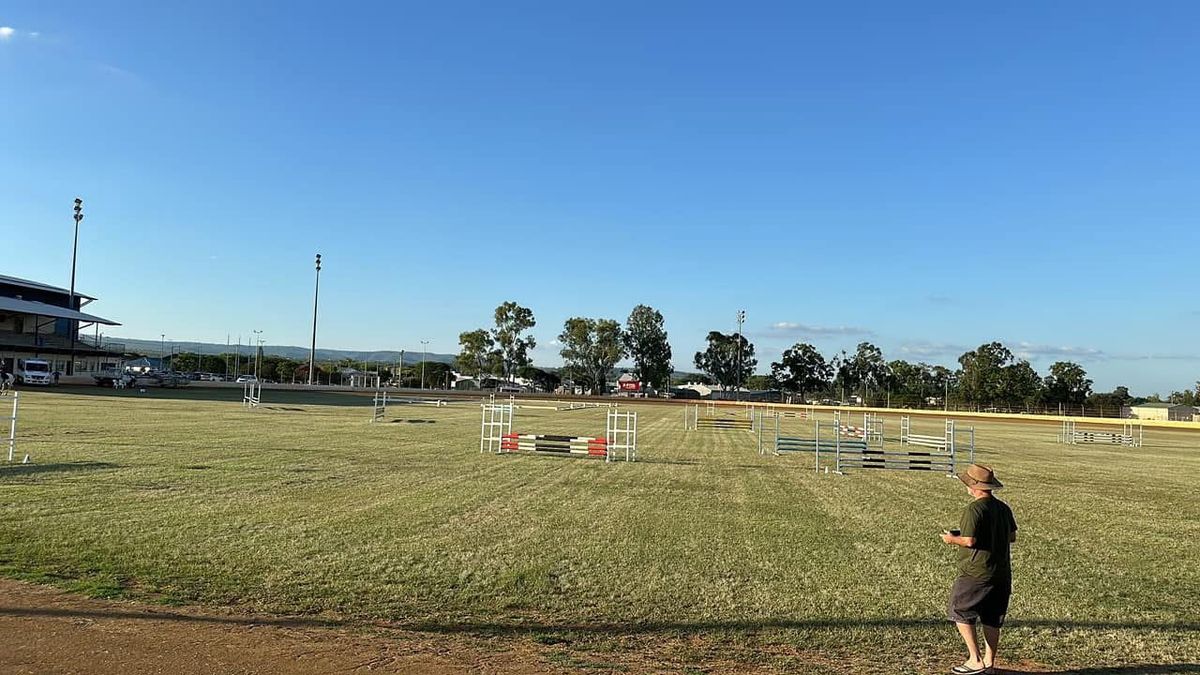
<point>287,622</point>
<point>627,629</point>
<point>684,627</point>
<point>1150,668</point>
<point>64,467</point>
<point>672,462</point>
<point>414,421</point>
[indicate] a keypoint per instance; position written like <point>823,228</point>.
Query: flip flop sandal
<point>963,670</point>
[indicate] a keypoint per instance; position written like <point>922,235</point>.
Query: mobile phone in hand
<point>954,533</point>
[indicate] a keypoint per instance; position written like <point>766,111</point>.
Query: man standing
<point>984,583</point>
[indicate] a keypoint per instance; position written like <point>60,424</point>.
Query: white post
<point>12,429</point>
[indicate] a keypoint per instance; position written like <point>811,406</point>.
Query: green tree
<point>542,379</point>
<point>983,377</point>
<point>512,345</point>
<point>761,383</point>
<point>590,349</point>
<point>646,343</point>
<point>1022,386</point>
<point>1067,383</point>
<point>801,369</point>
<point>720,359</point>
<point>477,356</point>
<point>868,368</point>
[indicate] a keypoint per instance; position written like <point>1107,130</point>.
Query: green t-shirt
<point>991,522</point>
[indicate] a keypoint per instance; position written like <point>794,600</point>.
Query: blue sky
<point>927,177</point>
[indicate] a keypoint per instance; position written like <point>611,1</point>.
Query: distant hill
<point>151,348</point>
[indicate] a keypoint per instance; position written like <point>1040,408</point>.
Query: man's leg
<point>967,631</point>
<point>991,639</point>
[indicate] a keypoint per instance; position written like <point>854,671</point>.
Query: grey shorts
<point>980,600</point>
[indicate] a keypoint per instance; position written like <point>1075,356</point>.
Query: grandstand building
<point>37,321</point>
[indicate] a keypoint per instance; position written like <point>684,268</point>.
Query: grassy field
<point>701,550</point>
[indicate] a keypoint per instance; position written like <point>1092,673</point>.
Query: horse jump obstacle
<point>865,449</point>
<point>771,409</point>
<point>12,428</point>
<point>251,394</point>
<point>946,443</point>
<point>871,430</point>
<point>620,436</point>
<point>382,399</point>
<point>692,421</point>
<point>1072,435</point>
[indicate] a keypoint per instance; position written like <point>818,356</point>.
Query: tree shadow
<point>413,421</point>
<point>61,467</point>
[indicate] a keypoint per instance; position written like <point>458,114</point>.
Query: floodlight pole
<point>162,342</point>
<point>74,251</point>
<point>424,343</point>
<point>257,349</point>
<point>741,319</point>
<point>312,354</point>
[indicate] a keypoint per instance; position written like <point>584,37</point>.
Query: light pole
<point>74,250</point>
<point>424,343</point>
<point>257,349</point>
<point>162,342</point>
<point>312,354</point>
<point>741,319</point>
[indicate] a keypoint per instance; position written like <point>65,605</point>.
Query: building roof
<point>1159,404</point>
<point>53,311</point>
<point>26,283</point>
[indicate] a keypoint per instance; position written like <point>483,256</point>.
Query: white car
<point>33,371</point>
<point>247,378</point>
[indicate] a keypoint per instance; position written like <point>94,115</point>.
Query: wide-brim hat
<point>980,477</point>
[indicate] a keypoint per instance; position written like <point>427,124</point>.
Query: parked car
<point>246,378</point>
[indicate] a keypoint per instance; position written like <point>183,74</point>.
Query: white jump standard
<point>251,394</point>
<point>1131,435</point>
<point>12,428</point>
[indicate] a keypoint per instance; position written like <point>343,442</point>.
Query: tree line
<point>990,376</point>
<point>590,347</point>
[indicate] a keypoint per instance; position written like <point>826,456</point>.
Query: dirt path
<point>48,631</point>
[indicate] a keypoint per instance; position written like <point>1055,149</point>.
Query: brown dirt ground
<point>47,631</point>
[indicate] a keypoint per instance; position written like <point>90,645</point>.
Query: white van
<point>33,371</point>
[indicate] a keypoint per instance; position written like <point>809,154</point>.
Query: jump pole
<point>12,428</point>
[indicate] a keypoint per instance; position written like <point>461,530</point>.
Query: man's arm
<point>958,540</point>
<point>1012,537</point>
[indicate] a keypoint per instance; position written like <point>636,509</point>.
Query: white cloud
<point>793,329</point>
<point>6,32</point>
<point>1025,350</point>
<point>924,349</point>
